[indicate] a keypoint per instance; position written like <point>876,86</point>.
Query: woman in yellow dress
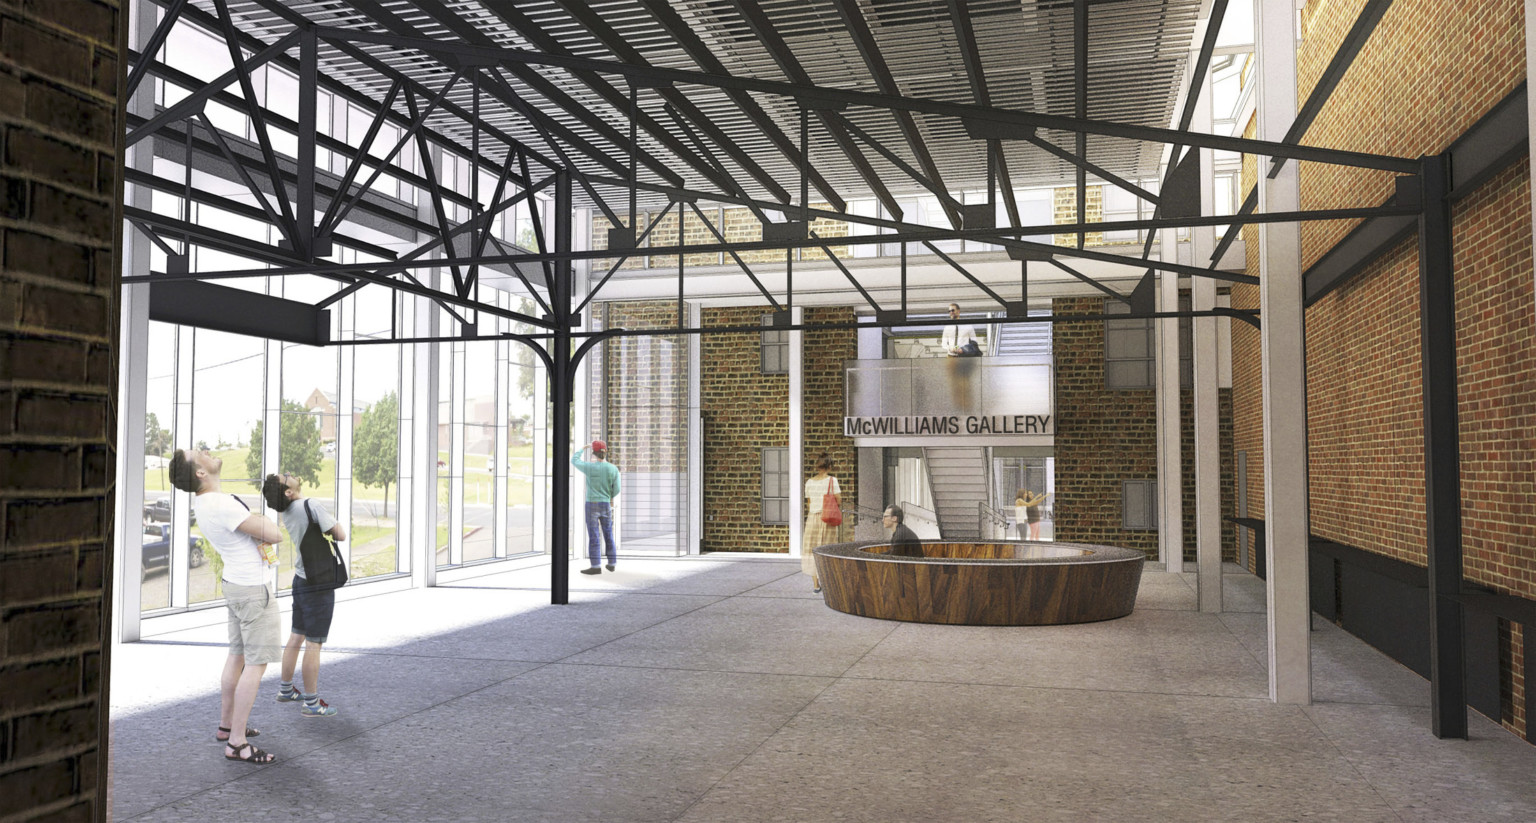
<point>818,533</point>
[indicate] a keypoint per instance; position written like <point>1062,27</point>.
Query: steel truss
<point>288,192</point>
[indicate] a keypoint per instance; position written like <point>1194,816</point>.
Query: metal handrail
<point>986,511</point>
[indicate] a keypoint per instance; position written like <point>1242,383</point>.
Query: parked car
<point>157,548</point>
<point>159,511</point>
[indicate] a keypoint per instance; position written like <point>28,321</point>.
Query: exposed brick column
<point>60,148</point>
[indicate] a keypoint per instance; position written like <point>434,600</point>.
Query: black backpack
<point>322,562</point>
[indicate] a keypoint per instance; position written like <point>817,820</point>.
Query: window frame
<point>1128,324</point>
<point>768,473</point>
<point>774,344</point>
<point>1142,521</point>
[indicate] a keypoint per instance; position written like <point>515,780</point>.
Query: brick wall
<point>1104,437</point>
<point>746,411</point>
<point>823,404</point>
<point>58,330</point>
<point>1420,82</point>
<point>1064,210</point>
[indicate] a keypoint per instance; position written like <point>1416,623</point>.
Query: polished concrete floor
<point>724,690</point>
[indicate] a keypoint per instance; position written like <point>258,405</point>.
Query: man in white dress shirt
<point>958,335</point>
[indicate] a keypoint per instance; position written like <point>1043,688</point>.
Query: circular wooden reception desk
<point>982,584</point>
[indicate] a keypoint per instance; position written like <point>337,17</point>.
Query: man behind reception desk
<point>904,542</point>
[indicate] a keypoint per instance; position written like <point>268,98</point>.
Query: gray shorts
<point>254,627</point>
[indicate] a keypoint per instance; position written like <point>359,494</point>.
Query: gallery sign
<point>947,425</point>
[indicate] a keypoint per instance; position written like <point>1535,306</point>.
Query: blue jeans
<point>600,516</point>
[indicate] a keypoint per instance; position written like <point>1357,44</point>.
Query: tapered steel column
<point>1442,451</point>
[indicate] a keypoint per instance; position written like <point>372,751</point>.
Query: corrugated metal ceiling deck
<point>1138,50</point>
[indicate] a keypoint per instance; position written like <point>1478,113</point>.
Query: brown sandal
<point>224,730</point>
<point>256,755</point>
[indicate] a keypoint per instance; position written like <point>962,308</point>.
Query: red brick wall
<point>1423,79</point>
<point>59,123</point>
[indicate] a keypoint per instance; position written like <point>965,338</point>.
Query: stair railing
<point>994,524</point>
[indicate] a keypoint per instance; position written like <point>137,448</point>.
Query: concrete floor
<point>724,690</point>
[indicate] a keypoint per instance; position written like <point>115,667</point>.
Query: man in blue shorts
<point>313,605</point>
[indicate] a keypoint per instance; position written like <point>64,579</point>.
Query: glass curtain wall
<point>337,411</point>
<point>639,402</point>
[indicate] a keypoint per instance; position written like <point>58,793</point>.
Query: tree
<point>298,445</point>
<point>156,439</point>
<point>376,446</point>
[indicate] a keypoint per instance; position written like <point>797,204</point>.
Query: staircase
<point>1025,338</point>
<point>957,477</point>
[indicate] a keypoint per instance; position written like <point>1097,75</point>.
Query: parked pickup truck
<point>159,511</point>
<point>157,548</point>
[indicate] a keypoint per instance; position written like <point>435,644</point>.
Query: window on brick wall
<point>1138,504</point>
<point>776,486</point>
<point>775,349</point>
<point>1128,350</point>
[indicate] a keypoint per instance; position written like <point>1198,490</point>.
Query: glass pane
<point>479,470</point>
<point>375,421</point>
<point>520,438</point>
<point>159,445</point>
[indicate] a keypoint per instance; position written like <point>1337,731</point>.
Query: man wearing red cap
<point>602,487</point>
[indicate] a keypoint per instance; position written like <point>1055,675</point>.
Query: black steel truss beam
<point>701,54</point>
<point>864,39</point>
<point>341,89</point>
<point>435,193</point>
<point>785,58</point>
<point>1249,316</point>
<point>965,34</point>
<point>345,150</point>
<point>1099,171</point>
<point>983,121</point>
<point>193,103</point>
<point>999,237</point>
<point>611,95</point>
<point>333,215</point>
<point>208,149</point>
<point>950,204</point>
<point>142,178</point>
<point>451,58</point>
<point>259,122</point>
<point>615,42</point>
<point>151,48</point>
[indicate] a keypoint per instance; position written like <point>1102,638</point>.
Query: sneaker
<point>610,567</point>
<point>294,696</point>
<point>593,570</point>
<point>320,709</point>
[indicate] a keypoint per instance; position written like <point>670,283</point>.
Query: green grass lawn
<point>476,470</point>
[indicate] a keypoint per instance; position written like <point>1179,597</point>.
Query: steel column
<point>561,374</point>
<point>1284,353</point>
<point>1442,451</point>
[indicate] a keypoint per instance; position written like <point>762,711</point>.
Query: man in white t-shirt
<point>255,638</point>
